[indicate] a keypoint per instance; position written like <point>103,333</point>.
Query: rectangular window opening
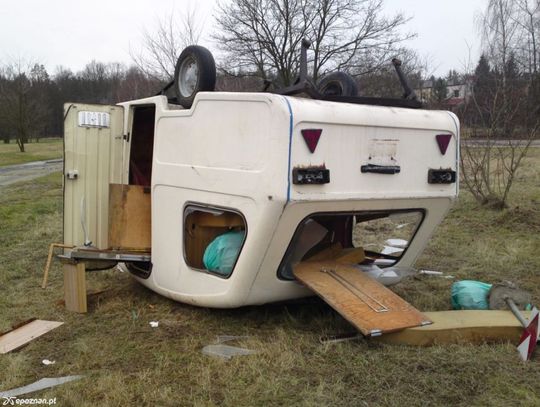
<point>376,237</point>
<point>213,239</point>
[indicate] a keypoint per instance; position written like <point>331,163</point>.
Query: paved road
<point>28,171</point>
<point>502,143</point>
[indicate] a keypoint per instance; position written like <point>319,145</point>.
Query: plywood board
<point>24,334</point>
<point>129,217</point>
<point>75,287</point>
<point>469,326</point>
<point>351,256</point>
<point>371,307</point>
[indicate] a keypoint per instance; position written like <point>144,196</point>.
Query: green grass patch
<point>46,149</point>
<point>128,363</point>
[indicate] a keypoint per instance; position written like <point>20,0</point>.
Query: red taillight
<point>443,140</point>
<point>311,137</point>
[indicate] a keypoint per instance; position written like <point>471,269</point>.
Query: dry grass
<point>128,363</point>
<point>46,149</point>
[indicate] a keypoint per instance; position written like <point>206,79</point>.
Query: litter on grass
<point>154,324</point>
<point>228,338</point>
<point>39,385</point>
<point>48,362</point>
<point>436,274</point>
<point>226,351</point>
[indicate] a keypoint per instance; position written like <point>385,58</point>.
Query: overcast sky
<point>72,33</point>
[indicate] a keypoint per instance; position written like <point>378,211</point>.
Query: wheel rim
<point>188,76</point>
<point>333,88</point>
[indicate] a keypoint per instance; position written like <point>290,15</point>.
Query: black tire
<point>338,84</point>
<point>205,74</point>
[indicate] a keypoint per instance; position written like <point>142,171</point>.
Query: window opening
<point>382,236</point>
<point>213,239</point>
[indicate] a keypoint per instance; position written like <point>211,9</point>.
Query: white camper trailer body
<point>234,154</point>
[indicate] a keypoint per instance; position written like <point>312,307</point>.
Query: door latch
<point>72,174</point>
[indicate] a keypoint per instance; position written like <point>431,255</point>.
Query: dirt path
<point>28,171</point>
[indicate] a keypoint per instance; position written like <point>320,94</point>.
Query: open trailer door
<point>368,305</point>
<point>93,158</point>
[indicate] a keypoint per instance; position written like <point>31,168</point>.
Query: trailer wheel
<point>195,72</point>
<point>338,84</point>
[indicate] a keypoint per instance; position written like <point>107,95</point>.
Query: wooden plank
<point>24,334</point>
<point>461,327</point>
<point>226,219</point>
<point>329,253</point>
<point>371,307</point>
<point>129,217</point>
<point>75,287</point>
<point>353,255</point>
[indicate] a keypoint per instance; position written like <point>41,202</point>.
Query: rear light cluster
<point>321,175</point>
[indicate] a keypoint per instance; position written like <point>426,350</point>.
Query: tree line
<point>31,99</point>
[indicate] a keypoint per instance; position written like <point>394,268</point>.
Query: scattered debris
<point>435,274</point>
<point>154,324</point>
<point>470,295</point>
<point>228,338</point>
<point>24,333</point>
<point>345,337</point>
<point>226,351</point>
<point>391,250</point>
<point>507,294</point>
<point>387,276</point>
<point>48,362</point>
<point>39,385</point>
<point>399,243</point>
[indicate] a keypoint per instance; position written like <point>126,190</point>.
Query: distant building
<point>458,92</point>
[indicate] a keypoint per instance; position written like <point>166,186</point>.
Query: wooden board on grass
<point>371,307</point>
<point>23,334</point>
<point>469,326</point>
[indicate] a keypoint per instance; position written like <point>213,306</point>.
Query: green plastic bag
<point>469,294</point>
<point>220,255</point>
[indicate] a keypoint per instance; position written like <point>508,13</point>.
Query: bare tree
<point>263,36</point>
<point>500,110</point>
<point>160,48</point>
<point>528,19</point>
<point>23,107</point>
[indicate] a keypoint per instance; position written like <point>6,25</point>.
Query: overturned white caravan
<point>279,178</point>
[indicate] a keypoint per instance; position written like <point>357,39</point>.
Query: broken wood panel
<point>75,287</point>
<point>129,217</point>
<point>464,326</point>
<point>371,307</point>
<point>26,333</point>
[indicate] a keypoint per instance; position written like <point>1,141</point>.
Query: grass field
<point>46,149</point>
<point>125,362</point>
